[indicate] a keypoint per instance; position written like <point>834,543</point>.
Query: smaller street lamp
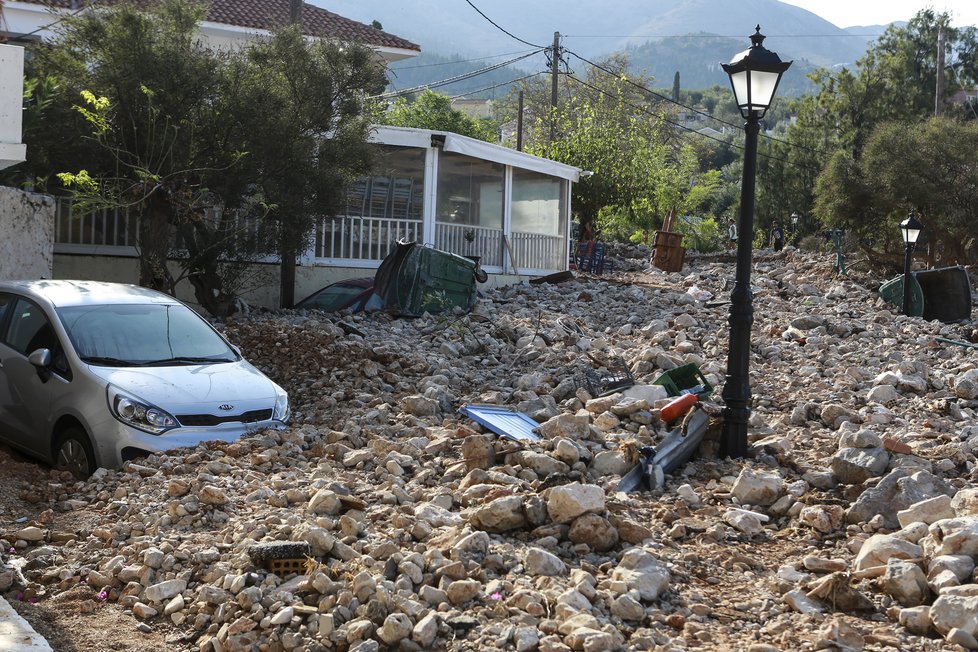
<point>910,228</point>
<point>794,227</point>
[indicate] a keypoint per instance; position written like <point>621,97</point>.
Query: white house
<point>458,194</point>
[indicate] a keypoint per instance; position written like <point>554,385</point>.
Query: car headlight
<point>139,414</point>
<point>281,410</point>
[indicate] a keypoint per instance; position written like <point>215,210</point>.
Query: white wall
<point>12,151</point>
<point>27,228</point>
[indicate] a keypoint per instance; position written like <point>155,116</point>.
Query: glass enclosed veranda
<point>509,209</point>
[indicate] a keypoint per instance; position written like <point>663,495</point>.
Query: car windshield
<point>143,334</point>
<point>333,298</point>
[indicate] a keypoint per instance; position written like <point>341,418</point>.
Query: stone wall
<point>26,235</point>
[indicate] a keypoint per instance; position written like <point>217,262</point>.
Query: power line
<point>489,88</point>
<point>451,80</point>
<point>662,117</point>
<point>496,25</point>
<point>680,104</point>
<point>448,63</point>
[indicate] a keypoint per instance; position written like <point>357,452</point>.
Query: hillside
<point>662,36</point>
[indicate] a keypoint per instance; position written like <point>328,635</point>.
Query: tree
<point>675,87</point>
<point>927,167</point>
<point>431,110</point>
<point>894,81</point>
<point>223,148</point>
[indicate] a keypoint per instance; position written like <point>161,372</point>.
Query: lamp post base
<point>733,438</point>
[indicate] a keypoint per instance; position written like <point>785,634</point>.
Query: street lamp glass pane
<point>739,82</point>
<point>910,235</point>
<point>763,85</point>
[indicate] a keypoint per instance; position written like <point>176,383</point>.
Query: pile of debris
<point>384,518</point>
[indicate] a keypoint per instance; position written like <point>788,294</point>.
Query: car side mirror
<point>41,358</point>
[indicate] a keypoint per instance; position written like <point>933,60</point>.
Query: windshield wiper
<point>109,362</point>
<point>183,359</point>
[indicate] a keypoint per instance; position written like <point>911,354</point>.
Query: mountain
<point>649,29</point>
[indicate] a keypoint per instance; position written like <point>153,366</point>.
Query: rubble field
<point>853,524</point>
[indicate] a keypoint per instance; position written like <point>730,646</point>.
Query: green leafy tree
<point>234,152</point>
<point>431,110</point>
<point>894,81</point>
<point>927,167</point>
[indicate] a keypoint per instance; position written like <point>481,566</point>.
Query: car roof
<point>62,293</point>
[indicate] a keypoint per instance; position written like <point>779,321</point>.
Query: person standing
<point>777,237</point>
<point>732,234</point>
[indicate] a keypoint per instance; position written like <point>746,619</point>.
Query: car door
<point>25,393</point>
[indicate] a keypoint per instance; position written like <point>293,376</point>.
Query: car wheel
<point>74,453</point>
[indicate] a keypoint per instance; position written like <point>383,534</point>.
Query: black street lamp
<point>754,76</point>
<point>910,228</point>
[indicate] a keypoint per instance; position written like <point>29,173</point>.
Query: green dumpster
<point>415,279</point>
<point>892,292</point>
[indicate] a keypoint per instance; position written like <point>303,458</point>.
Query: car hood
<point>170,388</point>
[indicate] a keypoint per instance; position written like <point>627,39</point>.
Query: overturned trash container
<point>415,279</point>
<point>943,294</point>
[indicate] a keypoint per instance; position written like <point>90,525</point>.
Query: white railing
<point>469,240</point>
<point>538,251</point>
<point>352,238</point>
<point>362,238</point>
<point>106,230</point>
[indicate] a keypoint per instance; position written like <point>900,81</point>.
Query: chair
<point>598,264</point>
<point>401,198</point>
<point>582,257</point>
<point>380,188</point>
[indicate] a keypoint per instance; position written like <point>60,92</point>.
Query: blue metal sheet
<point>502,420</point>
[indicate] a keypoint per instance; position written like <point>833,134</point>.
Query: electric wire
<point>451,80</point>
<point>489,88</point>
<point>496,25</point>
<point>680,104</point>
<point>397,68</point>
<point>662,117</point>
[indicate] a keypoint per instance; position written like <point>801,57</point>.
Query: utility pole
<point>519,125</point>
<point>554,71</point>
<point>939,98</point>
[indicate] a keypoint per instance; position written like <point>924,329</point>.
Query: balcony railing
<point>362,238</point>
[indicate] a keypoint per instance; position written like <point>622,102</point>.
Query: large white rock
<point>905,582</point>
<point>641,571</point>
<point>164,590</point>
<point>499,515</point>
<point>540,562</point>
<point>567,502</point>
<point>965,502</point>
<point>951,611</point>
<point>880,548</point>
<point>954,536</point>
<point>926,511</point>
<point>396,627</point>
<point>757,487</point>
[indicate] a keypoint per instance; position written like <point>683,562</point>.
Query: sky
<point>847,13</point>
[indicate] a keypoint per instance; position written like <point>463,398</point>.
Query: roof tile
<point>269,14</point>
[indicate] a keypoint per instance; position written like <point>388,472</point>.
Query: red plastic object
<point>677,408</point>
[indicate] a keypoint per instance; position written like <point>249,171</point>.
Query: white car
<point>94,374</point>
